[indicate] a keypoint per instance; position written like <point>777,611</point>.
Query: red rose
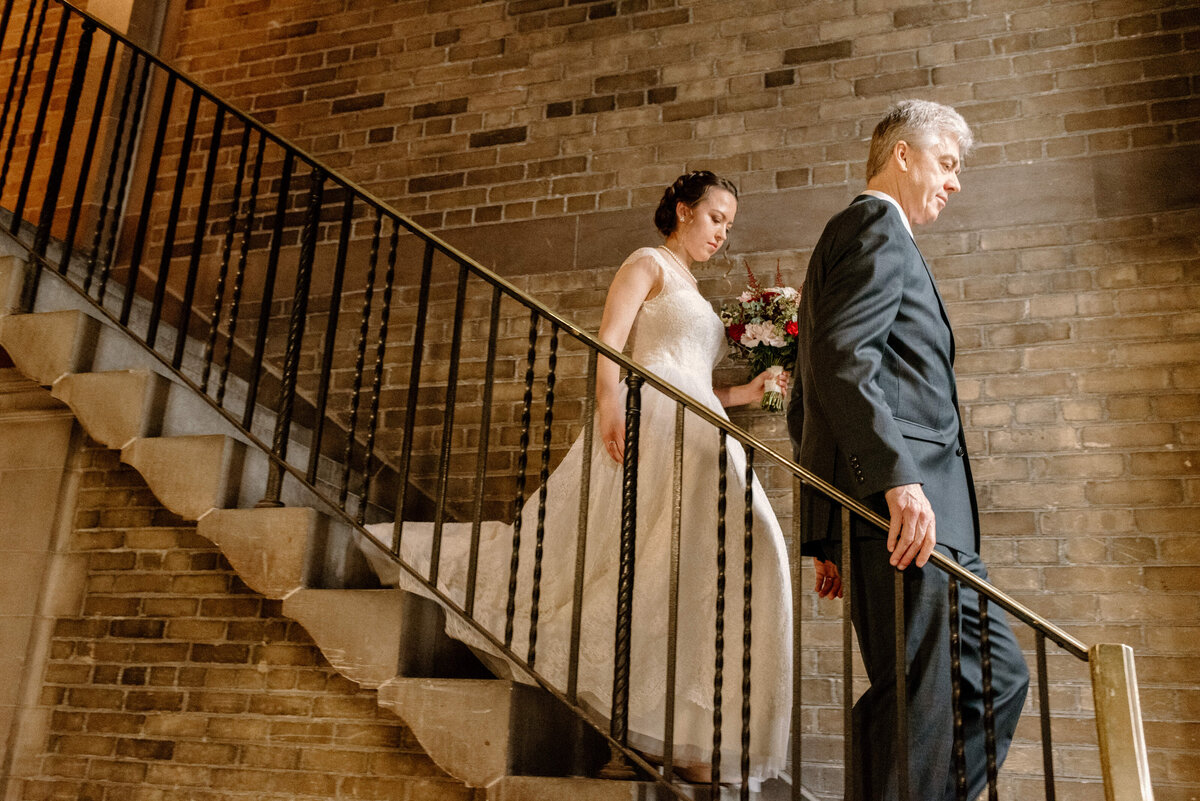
<point>735,331</point>
<point>791,328</point>
<point>767,297</point>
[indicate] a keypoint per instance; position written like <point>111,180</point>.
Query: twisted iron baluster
<point>848,773</point>
<point>103,250</point>
<point>295,339</point>
<point>385,313</point>
<point>522,462</point>
<point>20,109</point>
<point>485,426</point>
<point>189,290</point>
<point>747,616</point>
<point>39,126</point>
<point>719,659</point>
<point>552,365</point>
<point>239,276</point>
<point>359,360</point>
<point>89,153</point>
<point>960,753</point>
<point>989,714</point>
<point>168,244</point>
<point>673,595</point>
<point>443,477</point>
<point>1044,714</point>
<point>210,345</point>
<point>617,766</point>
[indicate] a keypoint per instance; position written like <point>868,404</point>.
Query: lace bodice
<point>677,328</point>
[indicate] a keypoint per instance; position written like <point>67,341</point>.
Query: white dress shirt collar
<point>894,202</point>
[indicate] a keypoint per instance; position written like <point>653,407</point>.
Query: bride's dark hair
<point>689,189</point>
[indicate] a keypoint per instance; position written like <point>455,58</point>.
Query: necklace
<point>679,261</point>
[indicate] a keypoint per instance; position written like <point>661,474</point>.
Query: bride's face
<point>703,229</point>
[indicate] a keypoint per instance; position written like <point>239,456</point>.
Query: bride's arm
<point>632,285</point>
<point>751,392</point>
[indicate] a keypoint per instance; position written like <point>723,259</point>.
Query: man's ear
<point>901,153</point>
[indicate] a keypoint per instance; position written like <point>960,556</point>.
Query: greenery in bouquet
<point>761,328</point>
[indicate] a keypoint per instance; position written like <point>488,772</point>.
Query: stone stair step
<point>48,345</point>
<point>115,407</point>
<point>189,475</point>
<point>483,730</point>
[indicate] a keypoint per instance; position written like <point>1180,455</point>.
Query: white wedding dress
<point>678,337</point>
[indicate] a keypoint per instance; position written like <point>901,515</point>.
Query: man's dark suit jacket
<point>874,402</point>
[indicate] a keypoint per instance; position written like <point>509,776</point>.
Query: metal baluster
<point>66,128</point>
<point>214,327</point>
<point>901,669</point>
<point>848,773</point>
<point>539,541</point>
<point>89,152</point>
<point>102,250</point>
<point>41,237</point>
<point>673,596</point>
<point>18,61</point>
<point>1044,714</point>
<point>168,245</point>
<point>385,311</point>
<point>414,381</point>
<point>719,658</point>
<point>295,338</point>
<point>443,477</point>
<point>522,462</point>
<point>39,126</point>
<point>268,292</point>
<point>5,18</point>
<point>797,630</point>
<point>331,324</point>
<point>617,766</point>
<point>189,290</point>
<point>359,360</point>
<point>747,617</point>
<point>139,237</point>
<point>960,752</point>
<point>239,276</point>
<point>20,109</point>
<point>989,715</point>
<point>485,424</point>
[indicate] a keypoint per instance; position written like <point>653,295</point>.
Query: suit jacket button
<point>959,451</point>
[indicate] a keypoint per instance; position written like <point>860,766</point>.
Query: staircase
<point>515,740</point>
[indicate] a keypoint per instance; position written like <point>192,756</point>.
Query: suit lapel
<point>937,294</point>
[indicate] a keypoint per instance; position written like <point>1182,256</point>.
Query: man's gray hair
<point>920,123</point>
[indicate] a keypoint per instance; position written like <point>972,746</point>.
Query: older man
<point>874,411</point>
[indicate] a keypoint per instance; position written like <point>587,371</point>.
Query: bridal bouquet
<point>761,327</point>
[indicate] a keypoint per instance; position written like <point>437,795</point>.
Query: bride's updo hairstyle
<point>689,189</point>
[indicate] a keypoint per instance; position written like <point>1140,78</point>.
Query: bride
<point>677,336</point>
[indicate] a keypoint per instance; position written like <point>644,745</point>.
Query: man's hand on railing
<point>829,581</point>
<point>913,532</point>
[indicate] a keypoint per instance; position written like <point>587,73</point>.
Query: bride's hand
<point>758,385</point>
<point>612,431</point>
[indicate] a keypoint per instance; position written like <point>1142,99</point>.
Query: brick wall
<point>174,681</point>
<point>536,135</point>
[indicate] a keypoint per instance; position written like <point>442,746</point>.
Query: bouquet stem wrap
<point>773,396</point>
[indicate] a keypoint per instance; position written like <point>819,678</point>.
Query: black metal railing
<point>382,368</point>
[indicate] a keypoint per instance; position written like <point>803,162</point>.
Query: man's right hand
<point>913,532</point>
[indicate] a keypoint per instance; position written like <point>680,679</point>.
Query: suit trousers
<point>930,711</point>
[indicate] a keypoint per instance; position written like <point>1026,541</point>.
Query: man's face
<point>929,175</point>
